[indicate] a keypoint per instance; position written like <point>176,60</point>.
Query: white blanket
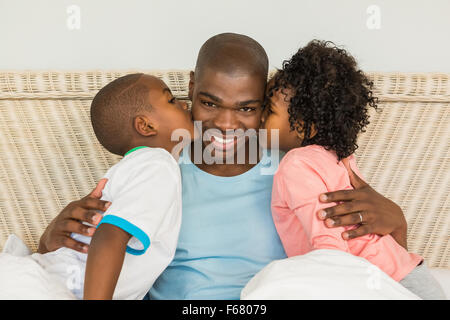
<point>326,275</point>
<point>23,278</point>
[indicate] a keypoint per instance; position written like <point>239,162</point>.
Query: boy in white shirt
<point>136,239</point>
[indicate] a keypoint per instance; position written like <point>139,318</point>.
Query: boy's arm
<point>104,263</point>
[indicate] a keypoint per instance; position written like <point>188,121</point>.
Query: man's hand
<point>379,214</point>
<point>71,219</point>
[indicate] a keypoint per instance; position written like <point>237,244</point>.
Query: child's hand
<point>71,219</point>
<point>364,206</point>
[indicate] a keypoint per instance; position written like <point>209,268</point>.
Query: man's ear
<point>145,126</point>
<point>191,85</point>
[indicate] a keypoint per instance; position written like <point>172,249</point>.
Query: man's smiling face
<point>225,102</point>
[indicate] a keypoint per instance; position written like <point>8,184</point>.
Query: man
<point>227,232</point>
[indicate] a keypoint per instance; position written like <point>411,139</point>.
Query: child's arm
<point>301,183</point>
<point>104,263</point>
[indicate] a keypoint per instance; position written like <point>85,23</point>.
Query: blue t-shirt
<point>227,234</point>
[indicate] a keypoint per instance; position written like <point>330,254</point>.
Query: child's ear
<point>299,130</point>
<point>145,126</point>
<point>301,133</point>
<point>191,85</point>
<point>313,131</point>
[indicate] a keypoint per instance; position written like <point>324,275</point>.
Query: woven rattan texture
<point>49,155</point>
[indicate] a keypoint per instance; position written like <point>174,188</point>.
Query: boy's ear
<point>145,126</point>
<point>191,85</point>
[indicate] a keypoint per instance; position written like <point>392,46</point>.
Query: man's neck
<point>225,170</point>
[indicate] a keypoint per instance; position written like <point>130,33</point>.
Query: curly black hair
<point>329,91</point>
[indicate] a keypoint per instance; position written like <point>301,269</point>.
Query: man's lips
<point>222,142</point>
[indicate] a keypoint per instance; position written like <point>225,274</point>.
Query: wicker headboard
<point>49,155</point>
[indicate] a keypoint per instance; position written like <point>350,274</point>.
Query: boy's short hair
<point>113,109</point>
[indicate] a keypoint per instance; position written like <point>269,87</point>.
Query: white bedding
<point>443,277</point>
<point>324,274</point>
<point>23,278</point>
<point>320,274</point>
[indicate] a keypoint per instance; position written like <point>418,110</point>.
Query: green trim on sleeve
<point>134,149</point>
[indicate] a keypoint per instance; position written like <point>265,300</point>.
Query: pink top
<point>305,173</point>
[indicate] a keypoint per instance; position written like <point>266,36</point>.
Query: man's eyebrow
<point>244,103</point>
<point>217,99</point>
<point>211,96</point>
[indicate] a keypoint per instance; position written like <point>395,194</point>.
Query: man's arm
<point>104,263</point>
<point>71,218</point>
<point>380,215</point>
<point>400,235</point>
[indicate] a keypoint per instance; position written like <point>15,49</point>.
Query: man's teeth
<point>225,141</point>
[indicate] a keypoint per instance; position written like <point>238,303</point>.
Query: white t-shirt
<point>145,193</point>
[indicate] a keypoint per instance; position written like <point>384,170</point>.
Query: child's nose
<point>263,118</point>
<point>184,105</point>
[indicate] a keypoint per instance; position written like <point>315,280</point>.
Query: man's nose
<point>226,120</point>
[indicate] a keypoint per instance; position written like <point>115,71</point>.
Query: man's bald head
<point>233,54</point>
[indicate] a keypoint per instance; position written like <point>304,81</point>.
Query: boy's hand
<point>379,214</point>
<point>57,233</point>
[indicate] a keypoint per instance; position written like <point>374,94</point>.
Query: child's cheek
<point>271,122</point>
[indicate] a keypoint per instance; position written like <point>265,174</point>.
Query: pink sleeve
<point>302,185</point>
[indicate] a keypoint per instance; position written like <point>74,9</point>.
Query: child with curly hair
<point>319,103</point>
